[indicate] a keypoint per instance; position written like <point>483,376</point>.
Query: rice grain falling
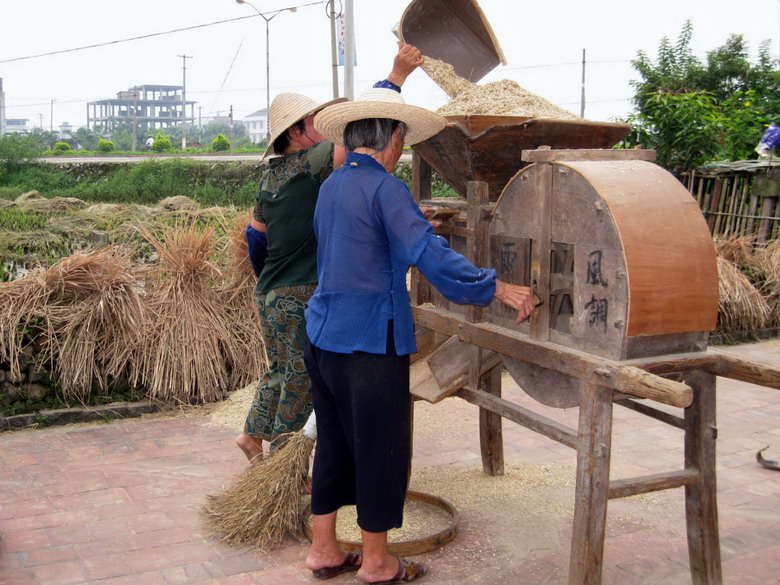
<point>445,77</point>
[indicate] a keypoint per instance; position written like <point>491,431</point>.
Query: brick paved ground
<point>118,504</point>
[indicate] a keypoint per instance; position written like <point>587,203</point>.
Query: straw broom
<point>263,504</point>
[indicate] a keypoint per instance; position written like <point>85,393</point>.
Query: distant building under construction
<point>145,107</point>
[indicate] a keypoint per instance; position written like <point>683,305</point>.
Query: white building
<point>19,126</point>
<point>257,125</point>
<point>66,130</point>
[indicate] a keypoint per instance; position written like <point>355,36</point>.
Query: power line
<point>177,30</point>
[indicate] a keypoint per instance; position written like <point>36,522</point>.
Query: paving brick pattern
<point>118,504</point>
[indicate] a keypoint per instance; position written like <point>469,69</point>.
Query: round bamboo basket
<point>410,547</point>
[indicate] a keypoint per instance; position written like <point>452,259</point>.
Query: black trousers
<point>362,403</point>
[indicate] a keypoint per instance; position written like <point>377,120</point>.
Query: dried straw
<point>22,304</point>
<point>742,308</point>
<point>736,249</point>
<point>263,504</point>
<point>95,317</point>
<point>241,308</point>
<point>767,260</point>
<point>188,339</point>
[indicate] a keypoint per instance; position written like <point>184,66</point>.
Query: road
<point>252,157</point>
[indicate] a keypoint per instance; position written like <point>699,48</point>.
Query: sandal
<point>351,563</point>
<point>407,571</point>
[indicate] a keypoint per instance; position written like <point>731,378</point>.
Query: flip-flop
<point>407,571</point>
<point>351,563</point>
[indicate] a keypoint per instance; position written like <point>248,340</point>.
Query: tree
<point>235,133</point>
<point>161,143</point>
<point>16,151</point>
<point>105,145</point>
<point>84,138</point>
<point>691,112</point>
<point>62,146</point>
<point>44,138</point>
<point>220,143</point>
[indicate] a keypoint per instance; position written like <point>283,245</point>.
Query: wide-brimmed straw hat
<point>288,109</point>
<point>379,103</point>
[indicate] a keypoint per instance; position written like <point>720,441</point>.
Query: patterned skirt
<point>283,400</point>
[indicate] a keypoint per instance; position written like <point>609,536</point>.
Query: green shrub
<point>62,147</point>
<point>105,145</point>
<point>162,143</point>
<point>220,143</point>
<point>15,152</point>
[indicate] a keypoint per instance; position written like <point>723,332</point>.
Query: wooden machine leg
<point>592,491</point>
<point>701,506</point>
<point>491,438</point>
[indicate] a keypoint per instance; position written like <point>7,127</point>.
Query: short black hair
<point>281,143</point>
<point>372,133</point>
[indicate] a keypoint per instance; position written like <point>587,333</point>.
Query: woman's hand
<point>520,298</point>
<point>429,212</point>
<point>406,61</point>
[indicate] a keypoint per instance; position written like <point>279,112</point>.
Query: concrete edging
<point>64,416</point>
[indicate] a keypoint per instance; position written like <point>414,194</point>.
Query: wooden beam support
<point>491,435</point>
<point>522,416</point>
<point>632,486</point>
<point>715,362</point>
<point>660,415</point>
<point>585,367</point>
<point>592,490</point>
<point>701,506</point>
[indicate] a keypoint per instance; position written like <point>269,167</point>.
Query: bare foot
<point>251,446</point>
<point>333,559</point>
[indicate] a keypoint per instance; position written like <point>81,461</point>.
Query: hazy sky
<point>542,42</point>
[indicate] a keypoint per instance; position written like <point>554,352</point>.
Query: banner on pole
<point>342,42</point>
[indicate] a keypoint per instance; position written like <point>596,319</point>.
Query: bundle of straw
<point>95,317</point>
<point>737,249</point>
<point>22,304</point>
<point>241,308</point>
<point>742,308</point>
<point>768,261</point>
<point>263,504</point>
<point>186,320</point>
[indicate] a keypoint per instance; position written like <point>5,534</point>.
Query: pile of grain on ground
<point>232,411</point>
<point>505,98</point>
<point>421,520</point>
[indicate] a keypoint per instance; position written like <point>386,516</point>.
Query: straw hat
<point>287,109</point>
<point>379,103</point>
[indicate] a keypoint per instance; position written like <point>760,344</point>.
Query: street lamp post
<point>267,20</point>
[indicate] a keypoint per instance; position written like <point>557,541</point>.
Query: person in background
<point>360,331</point>
<point>283,252</point>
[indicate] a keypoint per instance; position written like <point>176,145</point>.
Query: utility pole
<point>582,94</point>
<point>333,52</point>
<point>349,50</point>
<point>135,115</point>
<point>51,116</point>
<point>184,100</point>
